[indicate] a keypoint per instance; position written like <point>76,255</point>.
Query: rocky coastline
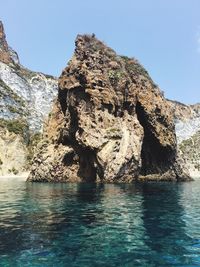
<point>109,121</point>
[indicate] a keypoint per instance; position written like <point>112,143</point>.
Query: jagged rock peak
<point>4,53</point>
<point>89,44</point>
<point>7,54</point>
<point>3,43</point>
<point>111,122</point>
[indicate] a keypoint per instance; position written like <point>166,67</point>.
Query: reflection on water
<point>165,229</point>
<point>154,224</point>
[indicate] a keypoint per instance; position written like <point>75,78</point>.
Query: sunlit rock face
<point>5,55</point>
<point>23,93</point>
<point>187,121</point>
<point>13,153</point>
<point>110,123</point>
<point>26,98</point>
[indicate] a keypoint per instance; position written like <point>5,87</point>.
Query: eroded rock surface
<point>26,98</point>
<point>111,123</point>
<point>13,153</point>
<point>187,122</point>
<point>187,119</point>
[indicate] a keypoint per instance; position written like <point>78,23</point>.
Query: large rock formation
<point>13,153</point>
<point>189,150</point>
<point>187,119</point>
<point>187,125</point>
<point>26,98</point>
<point>111,123</point>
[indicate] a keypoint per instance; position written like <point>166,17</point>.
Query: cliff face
<point>5,55</point>
<point>110,123</point>
<point>26,98</point>
<point>187,121</point>
<point>189,149</point>
<point>13,153</point>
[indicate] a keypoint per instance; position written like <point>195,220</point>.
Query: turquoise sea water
<point>88,225</point>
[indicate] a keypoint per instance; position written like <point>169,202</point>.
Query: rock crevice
<point>155,157</point>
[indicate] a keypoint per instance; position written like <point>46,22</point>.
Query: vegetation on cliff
<point>190,150</point>
<point>25,101</point>
<point>15,126</point>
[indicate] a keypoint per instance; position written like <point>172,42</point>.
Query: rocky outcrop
<point>189,150</point>
<point>110,123</point>
<point>187,119</point>
<point>13,153</point>
<point>23,93</point>
<point>26,98</point>
<point>5,55</point>
<point>187,125</point>
<point>184,112</point>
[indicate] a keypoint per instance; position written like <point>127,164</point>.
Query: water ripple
<point>155,224</point>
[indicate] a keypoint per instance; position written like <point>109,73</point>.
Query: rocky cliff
<point>110,123</point>
<point>187,121</point>
<point>25,101</point>
<point>189,149</point>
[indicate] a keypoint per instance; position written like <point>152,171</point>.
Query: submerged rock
<point>110,123</point>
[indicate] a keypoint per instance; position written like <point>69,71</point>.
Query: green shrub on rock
<point>14,126</point>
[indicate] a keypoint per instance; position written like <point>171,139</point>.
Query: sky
<point>163,35</point>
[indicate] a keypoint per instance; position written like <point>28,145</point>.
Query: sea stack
<point>110,123</point>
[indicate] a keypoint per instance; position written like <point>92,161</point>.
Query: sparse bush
<point>9,92</point>
<point>115,76</point>
<point>135,69</point>
<point>23,72</point>
<point>125,58</point>
<point>34,140</point>
<point>14,126</point>
<point>113,130</point>
<point>13,170</point>
<point>13,109</point>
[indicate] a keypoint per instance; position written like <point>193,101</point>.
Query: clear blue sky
<point>164,35</point>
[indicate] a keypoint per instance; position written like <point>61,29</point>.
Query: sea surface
<point>91,225</point>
